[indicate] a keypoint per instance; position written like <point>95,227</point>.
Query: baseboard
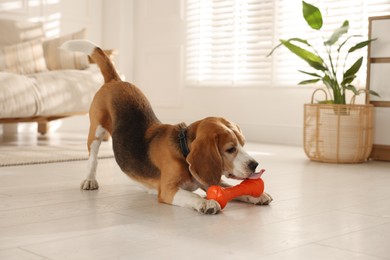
<point>380,152</point>
<point>74,124</point>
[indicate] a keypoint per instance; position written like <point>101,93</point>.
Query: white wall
<point>59,16</point>
<point>117,28</point>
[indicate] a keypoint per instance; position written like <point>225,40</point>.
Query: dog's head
<point>216,149</point>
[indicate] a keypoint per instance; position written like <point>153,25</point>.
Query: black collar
<point>183,141</point>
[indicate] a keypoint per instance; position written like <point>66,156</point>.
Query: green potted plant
<point>334,131</point>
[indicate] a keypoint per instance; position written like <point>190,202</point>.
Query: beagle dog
<point>174,160</point>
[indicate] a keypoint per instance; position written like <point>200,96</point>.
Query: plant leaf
<point>327,81</point>
<point>289,40</point>
<point>311,74</point>
<point>360,45</point>
<point>312,15</point>
<point>341,45</point>
<point>272,51</point>
<point>325,102</point>
<point>372,92</point>
<point>338,33</point>
<point>353,69</point>
<point>299,40</point>
<point>309,81</point>
<point>332,84</point>
<point>348,80</point>
<point>312,59</point>
<point>353,89</point>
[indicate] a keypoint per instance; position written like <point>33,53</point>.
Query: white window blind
<point>228,40</point>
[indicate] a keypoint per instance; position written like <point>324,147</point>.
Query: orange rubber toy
<point>251,186</point>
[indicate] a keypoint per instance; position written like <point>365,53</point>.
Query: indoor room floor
<point>320,211</point>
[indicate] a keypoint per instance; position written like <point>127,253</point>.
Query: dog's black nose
<point>253,165</point>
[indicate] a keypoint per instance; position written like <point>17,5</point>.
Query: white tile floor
<point>320,211</point>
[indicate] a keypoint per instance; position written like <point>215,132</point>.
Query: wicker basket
<point>338,133</point>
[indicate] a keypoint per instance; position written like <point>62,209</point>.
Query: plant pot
<point>338,133</point>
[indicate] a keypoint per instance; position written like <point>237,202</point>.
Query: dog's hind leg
<point>95,137</point>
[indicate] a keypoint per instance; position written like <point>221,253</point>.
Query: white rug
<point>36,154</point>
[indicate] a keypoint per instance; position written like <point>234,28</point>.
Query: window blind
<point>228,40</point>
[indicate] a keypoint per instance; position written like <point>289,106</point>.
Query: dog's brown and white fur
<point>149,151</point>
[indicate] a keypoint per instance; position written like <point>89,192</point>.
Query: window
<point>228,40</point>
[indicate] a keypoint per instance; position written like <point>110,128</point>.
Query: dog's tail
<point>106,67</point>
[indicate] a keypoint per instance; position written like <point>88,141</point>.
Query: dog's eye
<point>231,150</point>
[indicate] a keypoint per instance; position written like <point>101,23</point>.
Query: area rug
<point>37,154</point>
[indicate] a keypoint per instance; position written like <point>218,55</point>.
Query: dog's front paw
<point>89,184</point>
<point>264,199</point>
<point>210,207</point>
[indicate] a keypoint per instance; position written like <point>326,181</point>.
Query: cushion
<point>23,58</point>
<point>59,92</point>
<point>18,96</point>
<point>12,31</point>
<point>57,59</point>
<point>66,91</point>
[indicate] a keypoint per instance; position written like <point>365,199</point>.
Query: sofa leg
<point>43,127</point>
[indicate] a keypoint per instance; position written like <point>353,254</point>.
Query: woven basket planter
<point>338,133</point>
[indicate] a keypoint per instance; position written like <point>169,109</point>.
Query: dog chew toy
<point>252,186</point>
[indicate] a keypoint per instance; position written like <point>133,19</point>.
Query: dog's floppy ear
<point>205,161</point>
<point>237,131</point>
